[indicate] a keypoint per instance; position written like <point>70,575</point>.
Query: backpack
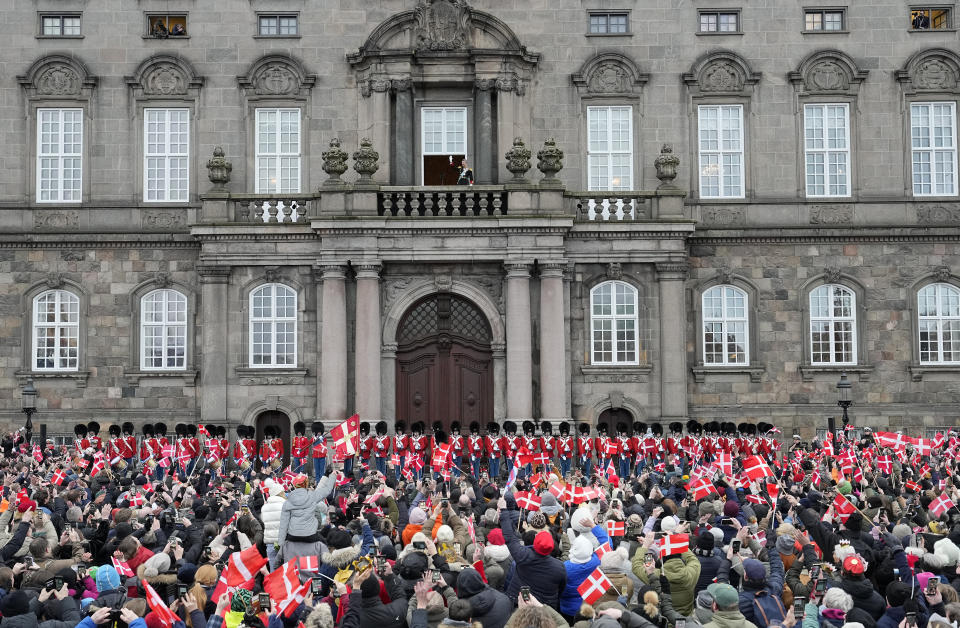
<point>768,607</point>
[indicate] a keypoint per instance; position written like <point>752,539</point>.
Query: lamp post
<point>28,397</point>
<point>843,391</point>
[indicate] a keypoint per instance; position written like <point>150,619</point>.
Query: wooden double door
<point>444,364</point>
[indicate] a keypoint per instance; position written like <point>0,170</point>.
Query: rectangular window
<point>163,26</point>
<point>166,141</point>
<point>824,20</point>
<point>59,155</point>
<point>826,135</point>
<point>278,151</point>
<point>610,148</point>
<point>60,25</point>
<point>277,26</point>
<point>719,21</point>
<point>609,24</point>
<point>721,151</point>
<point>443,134</point>
<point>930,18</point>
<point>933,139</point>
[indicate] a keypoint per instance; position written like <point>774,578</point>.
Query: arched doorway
<point>444,363</point>
<point>275,419</point>
<point>611,417</point>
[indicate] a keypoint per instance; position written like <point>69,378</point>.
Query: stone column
<point>673,346</point>
<point>215,342</point>
<point>388,383</point>
<point>499,382</point>
<point>553,374</point>
<point>519,345</point>
<point>403,147</point>
<point>484,170</point>
<point>374,117</point>
<point>333,344</point>
<point>367,365</point>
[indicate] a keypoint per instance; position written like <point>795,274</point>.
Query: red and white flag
<point>940,505</point>
<point>308,563</point>
<point>756,468</point>
<point>674,544</point>
<point>843,508</point>
<point>910,485</point>
<point>346,436</point>
<point>287,606</point>
<point>700,489</point>
<point>243,566</point>
<point>593,588</point>
<point>724,463</point>
<point>616,528</point>
<point>282,582</point>
<point>603,549</point>
<point>155,602</point>
<point>527,500</point>
<point>97,467</point>
<point>122,567</point>
<point>58,477</point>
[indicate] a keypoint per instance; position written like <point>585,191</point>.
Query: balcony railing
<point>264,208</point>
<point>610,206</point>
<point>431,202</point>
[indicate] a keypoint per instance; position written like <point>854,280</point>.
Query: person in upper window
<point>178,30</point>
<point>920,20</point>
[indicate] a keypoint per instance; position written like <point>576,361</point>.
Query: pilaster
<point>673,350</point>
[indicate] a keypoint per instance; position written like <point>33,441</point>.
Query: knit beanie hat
<point>417,516</point>
<point>495,537</point>
<point>705,544</point>
<point>445,534</point>
<point>543,543</point>
<point>548,503</point>
<point>537,520</point>
<point>785,545</point>
<point>844,488</point>
<point>731,508</point>
<point>241,600</point>
<point>15,603</point>
<point>370,588</point>
<point>668,524</point>
<point>107,578</point>
<point>156,564</point>
<point>339,539</point>
<point>581,551</point>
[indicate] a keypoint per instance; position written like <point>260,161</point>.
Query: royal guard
<point>672,442</point>
<point>636,445</point>
<point>511,444</point>
<point>318,450</point>
<point>456,447</point>
<point>242,453</point>
<point>585,449</point>
<point>565,448</point>
<point>418,446</point>
<point>129,447</point>
<point>654,443</point>
<point>603,446</point>
<point>625,449</point>
<point>223,444</point>
<point>366,445</point>
<point>277,447</point>
<point>401,445</point>
<point>191,447</point>
<point>548,444</point>
<point>148,445</point>
<point>475,446</point>
<point>529,445</point>
<point>494,446</point>
<point>381,447</point>
<point>81,443</point>
<point>113,451</point>
<point>93,436</point>
<point>300,446</point>
<point>160,431</point>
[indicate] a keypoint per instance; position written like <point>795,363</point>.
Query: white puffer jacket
<point>270,514</point>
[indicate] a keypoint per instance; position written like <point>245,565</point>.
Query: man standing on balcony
<point>464,172</point>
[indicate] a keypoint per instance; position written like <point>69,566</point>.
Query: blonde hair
<point>651,603</point>
<point>199,598</point>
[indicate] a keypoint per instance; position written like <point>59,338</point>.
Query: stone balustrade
<point>430,202</point>
<point>260,208</point>
<point>610,206</point>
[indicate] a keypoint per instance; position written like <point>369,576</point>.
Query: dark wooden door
<point>275,419</point>
<point>444,364</point>
<point>611,417</point>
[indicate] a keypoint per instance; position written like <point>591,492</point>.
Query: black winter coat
<point>545,575</point>
<point>375,614</point>
<point>865,597</point>
<point>490,607</point>
<point>709,566</point>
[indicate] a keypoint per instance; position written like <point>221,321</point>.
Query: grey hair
<point>838,598</point>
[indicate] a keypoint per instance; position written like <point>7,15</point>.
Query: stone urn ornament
<point>550,161</point>
<point>334,164</point>
<point>365,162</point>
<point>666,164</point>
<point>518,161</point>
<point>218,170</point>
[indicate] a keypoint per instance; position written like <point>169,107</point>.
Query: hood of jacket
<point>581,550</point>
<point>300,498</point>
<point>342,557</point>
<point>859,589</point>
<point>470,583</point>
<point>498,553</point>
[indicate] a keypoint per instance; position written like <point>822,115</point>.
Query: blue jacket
<point>570,599</point>
<point>773,585</point>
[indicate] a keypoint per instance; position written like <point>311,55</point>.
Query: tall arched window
<point>833,325</point>
<point>163,330</point>
<point>613,322</point>
<point>56,331</point>
<point>273,326</point>
<point>725,326</point>
<point>938,313</point>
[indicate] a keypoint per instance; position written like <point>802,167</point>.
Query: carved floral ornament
<point>935,70</point>
<point>827,71</point>
<point>277,75</point>
<point>58,76</point>
<point>165,76</point>
<point>442,25</point>
<point>721,73</point>
<point>609,74</point>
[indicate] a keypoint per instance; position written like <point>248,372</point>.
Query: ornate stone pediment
<point>442,25</point>
<point>827,72</point>
<point>165,76</point>
<point>721,73</point>
<point>58,77</point>
<point>609,74</point>
<point>933,70</point>
<point>275,76</point>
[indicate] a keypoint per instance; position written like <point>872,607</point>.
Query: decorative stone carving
<point>218,169</point>
<point>443,283</point>
<point>394,288</point>
<point>56,220</point>
<point>724,275</point>
<point>666,164</point>
<point>58,80</point>
<point>270,381</point>
<point>608,74</point>
<point>163,220</point>
<point>401,85</point>
<point>441,24</point>
<point>271,274</point>
<point>721,72</point>
<point>485,84</point>
<point>614,271</point>
<point>165,79</point>
<point>827,75</point>
<point>942,274</point>
<point>721,76</point>
<point>55,280</point>
<point>275,79</point>
<point>550,160</point>
<point>827,71</point>
<point>831,214</point>
<point>380,85</point>
<point>831,274</point>
<point>73,255</point>
<point>724,216</point>
<point>609,78</point>
<point>518,160</point>
<point>365,161</point>
<point>934,74</point>
<point>938,214</point>
<point>276,75</point>
<point>58,76</point>
<point>334,163</point>
<point>511,84</point>
<point>161,279</point>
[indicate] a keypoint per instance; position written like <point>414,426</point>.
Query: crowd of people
<point>714,525</point>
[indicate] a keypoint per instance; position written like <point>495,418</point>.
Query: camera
<point>525,593</point>
<point>798,604</point>
<point>932,585</point>
<point>735,545</point>
<point>821,585</point>
<point>419,545</point>
<point>264,601</point>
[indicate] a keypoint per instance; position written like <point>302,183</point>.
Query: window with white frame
<point>725,326</point>
<point>721,151</point>
<point>56,331</point>
<point>278,151</point>
<point>59,155</point>
<point>824,20</point>
<point>610,148</point>
<point>443,135</point>
<point>277,26</point>
<point>938,316</point>
<point>826,135</point>
<point>833,325</point>
<point>613,321</point>
<point>166,158</point>
<point>163,330</point>
<point>719,21</point>
<point>60,25</point>
<point>608,23</point>
<point>273,326</point>
<point>933,139</point>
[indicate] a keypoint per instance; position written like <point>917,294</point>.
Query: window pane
<point>278,150</point>
<point>610,148</point>
<point>59,162</point>
<point>71,26</point>
<point>614,323</point>
<point>833,21</point>
<point>273,313</point>
<point>934,156</point>
<point>166,142</point>
<point>814,21</point>
<point>268,25</point>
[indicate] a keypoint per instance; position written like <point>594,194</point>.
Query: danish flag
<point>940,505</point>
<point>912,486</point>
<point>527,500</point>
<point>136,500</point>
<point>289,605</point>
<point>122,567</point>
<point>395,460</point>
<point>346,436</point>
<point>616,528</point>
<point>754,499</point>
<point>155,602</point>
<point>610,471</point>
<point>282,582</point>
<point>593,588</point>
<point>58,477</point>
<point>202,430</point>
<point>603,549</point>
<point>308,563</point>
<point>843,508</point>
<point>897,441</point>
<point>724,463</point>
<point>885,464</point>
<point>37,453</point>
<point>674,544</point>
<point>541,458</point>
<point>701,488</point>
<point>243,566</point>
<point>756,468</point>
<point>98,466</point>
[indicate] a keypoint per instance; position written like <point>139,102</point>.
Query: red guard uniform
<point>418,445</point>
<point>565,446</point>
<point>584,446</point>
<point>495,446</point>
<point>456,442</point>
<point>191,446</point>
<point>400,444</point>
<point>319,446</point>
<point>300,448</point>
<point>511,445</point>
<point>548,445</point>
<point>129,446</point>
<point>531,444</point>
<point>381,446</point>
<point>475,445</point>
<point>366,447</point>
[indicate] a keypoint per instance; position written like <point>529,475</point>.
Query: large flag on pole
<point>346,436</point>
